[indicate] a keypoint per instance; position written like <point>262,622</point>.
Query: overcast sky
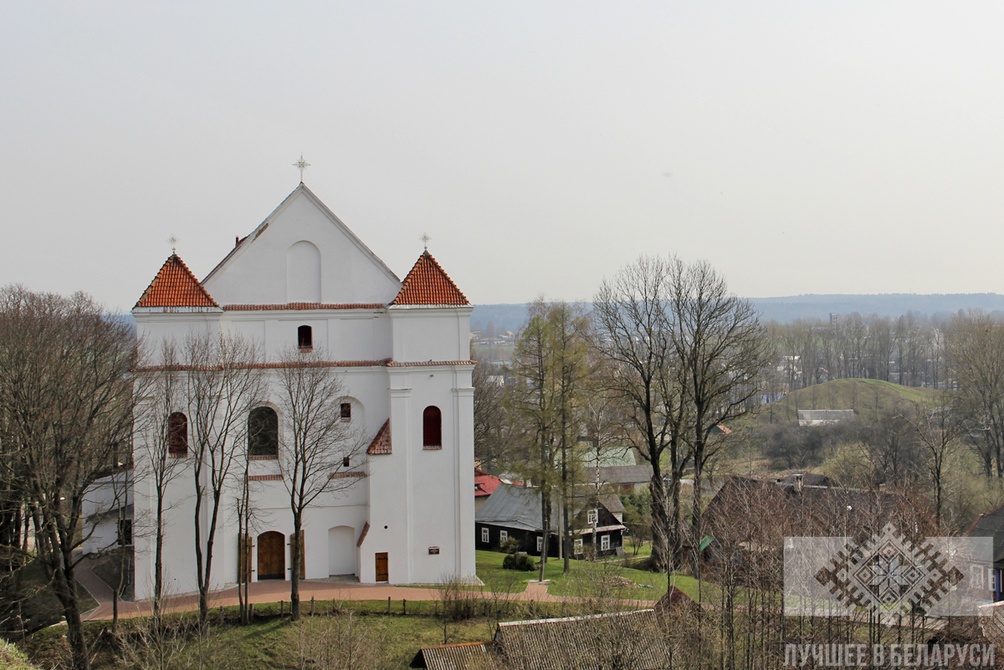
<point>801,147</point>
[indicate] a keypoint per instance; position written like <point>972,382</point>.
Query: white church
<point>401,349</point>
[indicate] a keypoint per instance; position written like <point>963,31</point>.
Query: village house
<point>513,512</point>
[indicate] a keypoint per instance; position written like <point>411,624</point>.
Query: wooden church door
<point>381,567</point>
<point>271,555</point>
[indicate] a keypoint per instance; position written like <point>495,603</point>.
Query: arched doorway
<point>341,550</point>
<point>271,555</point>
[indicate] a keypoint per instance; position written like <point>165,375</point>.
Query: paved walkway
<point>273,592</point>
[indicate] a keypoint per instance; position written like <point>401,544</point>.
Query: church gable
<point>302,253</point>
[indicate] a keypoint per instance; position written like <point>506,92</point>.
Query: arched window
<point>177,435</point>
<point>263,432</point>
<point>432,428</point>
<point>305,338</point>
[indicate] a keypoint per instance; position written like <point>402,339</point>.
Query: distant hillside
<point>862,395</point>
<point>793,308</point>
<point>942,306</point>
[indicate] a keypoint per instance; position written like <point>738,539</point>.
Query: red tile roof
<point>381,443</point>
<point>428,284</point>
<point>175,286</point>
<point>484,483</point>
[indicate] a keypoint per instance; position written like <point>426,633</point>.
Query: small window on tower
<point>345,462</point>
<point>305,338</point>
<point>432,428</point>
<point>346,411</point>
<point>177,435</point>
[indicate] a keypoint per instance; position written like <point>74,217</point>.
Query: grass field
<point>867,397</point>
<point>586,579</point>
<point>377,637</point>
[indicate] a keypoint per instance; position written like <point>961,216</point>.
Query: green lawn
<point>591,580</point>
<point>363,629</point>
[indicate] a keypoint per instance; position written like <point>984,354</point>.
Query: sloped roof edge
<point>301,190</point>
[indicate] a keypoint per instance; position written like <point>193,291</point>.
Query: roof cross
<point>302,165</point>
<point>425,240</point>
<point>174,244</point>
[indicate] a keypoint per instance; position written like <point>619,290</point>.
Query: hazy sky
<point>801,147</point>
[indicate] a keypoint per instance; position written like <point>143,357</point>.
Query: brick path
<point>273,591</point>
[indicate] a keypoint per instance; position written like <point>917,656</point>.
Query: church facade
<point>302,281</point>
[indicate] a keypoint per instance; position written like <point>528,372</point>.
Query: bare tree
<point>939,432</point>
<point>723,350</point>
<point>490,419</point>
<point>66,415</point>
<point>634,330</point>
<point>244,510</point>
<point>975,350</point>
<point>164,444</point>
<point>223,383</point>
<point>319,453</point>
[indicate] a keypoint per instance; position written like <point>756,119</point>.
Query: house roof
<point>824,417</point>
<point>175,286</point>
<point>619,639</point>
<point>484,483</point>
<point>991,524</point>
<point>519,507</point>
<point>515,507</point>
<point>612,503</point>
<point>452,656</point>
<point>428,284</point>
<point>381,442</point>
<point>626,474</point>
<point>743,502</point>
<point>807,479</point>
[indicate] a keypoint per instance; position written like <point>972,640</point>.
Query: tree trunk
<point>660,520</point>
<point>65,591</point>
<point>294,572</point>
<point>158,560</point>
<point>566,538</point>
<point>545,522</point>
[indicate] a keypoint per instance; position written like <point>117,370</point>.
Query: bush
<point>510,546</point>
<point>13,658</point>
<point>518,561</point>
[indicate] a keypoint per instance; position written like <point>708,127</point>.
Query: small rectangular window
<point>346,410</point>
<point>305,338</point>
<point>503,536</point>
<point>485,535</point>
<point>540,543</point>
<point>345,462</point>
<point>604,543</point>
<point>125,532</point>
<point>578,546</point>
<point>591,517</point>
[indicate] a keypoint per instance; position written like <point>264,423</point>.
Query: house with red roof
<point>302,281</point>
<point>484,485</point>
